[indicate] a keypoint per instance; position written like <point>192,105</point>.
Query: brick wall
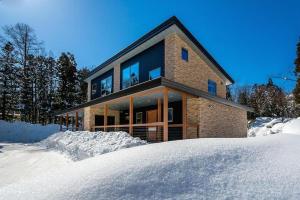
<point>194,73</point>
<point>215,119</point>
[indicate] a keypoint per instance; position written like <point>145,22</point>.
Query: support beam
<point>130,115</point>
<point>76,121</point>
<point>105,116</point>
<point>60,123</point>
<point>159,110</point>
<point>67,121</point>
<point>165,119</point>
<point>184,116</point>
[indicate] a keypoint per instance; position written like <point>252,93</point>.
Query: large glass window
<point>212,87</point>
<point>155,73</point>
<point>130,76</point>
<point>106,86</point>
<point>94,88</point>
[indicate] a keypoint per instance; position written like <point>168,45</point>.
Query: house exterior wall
<point>215,119</point>
<point>195,72</point>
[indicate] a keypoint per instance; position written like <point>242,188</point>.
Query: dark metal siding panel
<point>148,60</point>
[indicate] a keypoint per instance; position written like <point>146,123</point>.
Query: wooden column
<point>159,110</point>
<point>76,121</point>
<point>105,116</point>
<point>184,116</point>
<point>165,119</point>
<point>130,115</point>
<point>67,121</point>
<point>60,123</point>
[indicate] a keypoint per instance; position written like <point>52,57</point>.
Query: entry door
<point>152,118</point>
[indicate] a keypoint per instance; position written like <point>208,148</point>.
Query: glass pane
<point>155,73</point>
<point>170,114</point>
<point>135,74</point>
<point>109,85</point>
<point>126,78</point>
<point>103,85</point>
<point>94,88</point>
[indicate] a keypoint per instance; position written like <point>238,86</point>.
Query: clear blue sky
<point>252,40</point>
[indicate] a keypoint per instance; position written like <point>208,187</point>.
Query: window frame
<point>111,88</point>
<point>141,117</point>
<point>158,68</point>
<point>184,54</point>
<point>211,83</point>
<point>94,88</point>
<point>171,120</point>
<point>131,78</point>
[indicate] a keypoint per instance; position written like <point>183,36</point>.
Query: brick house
<point>164,86</point>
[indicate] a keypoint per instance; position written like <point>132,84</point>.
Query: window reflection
<point>130,76</point>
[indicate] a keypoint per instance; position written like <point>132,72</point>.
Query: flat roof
<point>163,26</point>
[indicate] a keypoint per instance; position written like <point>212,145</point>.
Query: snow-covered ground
<point>25,132</point>
<point>264,126</point>
<point>83,144</point>
<point>213,168</point>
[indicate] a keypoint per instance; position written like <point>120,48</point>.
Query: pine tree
<point>82,85</point>
<point>297,73</point>
<point>67,74</point>
<point>8,82</point>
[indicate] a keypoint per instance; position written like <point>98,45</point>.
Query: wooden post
<point>76,121</point>
<point>105,116</point>
<point>60,122</point>
<point>159,110</point>
<point>184,117</point>
<point>166,121</point>
<point>130,115</point>
<point>67,121</point>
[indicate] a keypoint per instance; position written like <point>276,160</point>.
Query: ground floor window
<point>139,118</point>
<point>170,114</point>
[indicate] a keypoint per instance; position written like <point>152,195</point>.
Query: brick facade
<point>215,119</point>
<point>195,72</point>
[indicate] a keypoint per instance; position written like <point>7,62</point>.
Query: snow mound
<point>25,132</point>
<point>83,144</point>
<point>263,126</point>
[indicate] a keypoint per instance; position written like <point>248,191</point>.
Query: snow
<point>25,132</point>
<point>83,144</point>
<point>238,168</point>
<point>263,126</point>
<point>206,168</point>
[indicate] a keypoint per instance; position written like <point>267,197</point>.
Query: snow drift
<point>82,144</point>
<point>25,132</point>
<point>263,126</point>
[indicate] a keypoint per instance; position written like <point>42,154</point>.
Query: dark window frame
<point>212,87</point>
<point>184,54</point>
<point>154,70</point>
<point>131,83</point>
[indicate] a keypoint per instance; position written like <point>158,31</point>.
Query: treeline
<point>33,84</point>
<point>267,100</point>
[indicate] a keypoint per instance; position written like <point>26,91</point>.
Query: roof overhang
<point>153,84</point>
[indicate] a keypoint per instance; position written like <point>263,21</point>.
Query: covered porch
<point>157,114</point>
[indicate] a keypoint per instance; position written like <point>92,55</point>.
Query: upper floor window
<point>130,76</point>
<point>212,87</point>
<point>106,86</point>
<point>184,54</point>
<point>155,73</point>
<point>94,88</point>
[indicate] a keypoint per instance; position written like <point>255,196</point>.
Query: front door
<point>152,131</point>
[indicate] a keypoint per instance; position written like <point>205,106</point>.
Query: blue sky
<point>253,40</point>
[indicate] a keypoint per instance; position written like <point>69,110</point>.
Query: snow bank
<point>82,144</point>
<point>206,168</point>
<point>25,132</point>
<point>263,126</point>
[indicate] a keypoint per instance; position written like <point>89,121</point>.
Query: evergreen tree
<point>8,82</point>
<point>67,74</point>
<point>297,73</point>
<point>82,89</point>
